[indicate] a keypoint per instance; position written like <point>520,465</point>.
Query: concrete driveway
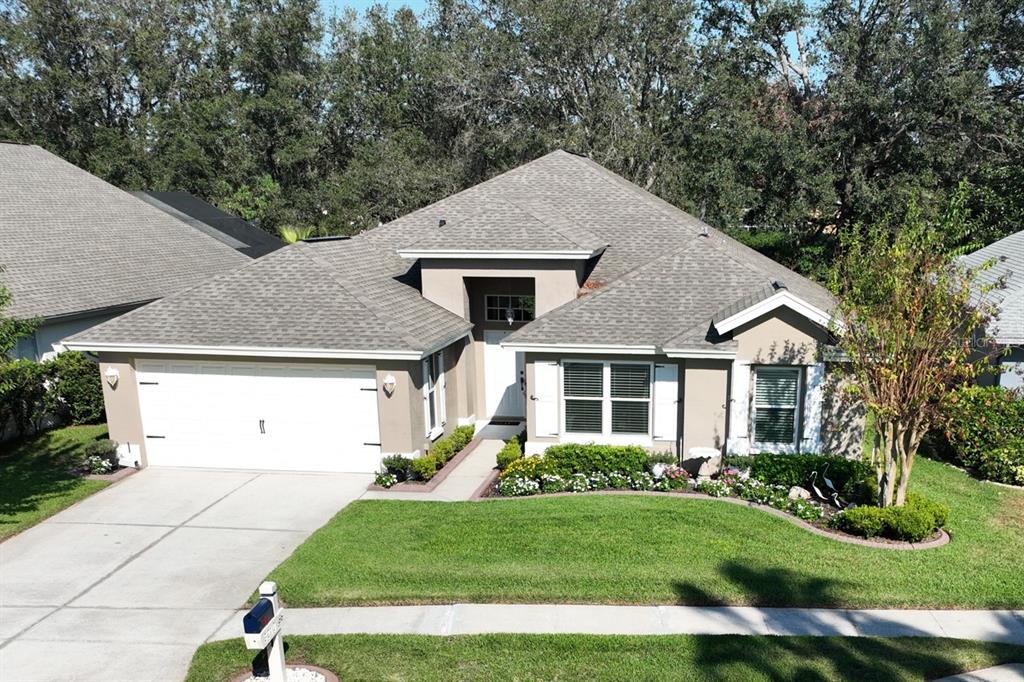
<point>127,583</point>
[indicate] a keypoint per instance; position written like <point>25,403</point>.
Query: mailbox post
<point>262,628</point>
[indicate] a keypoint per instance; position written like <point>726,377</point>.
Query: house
<point>76,251</point>
<point>558,294</point>
<point>1007,329</point>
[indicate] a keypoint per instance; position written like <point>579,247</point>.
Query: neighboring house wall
<point>39,346</point>
<point>1008,370</point>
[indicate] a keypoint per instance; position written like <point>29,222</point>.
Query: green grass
<point>591,657</point>
<point>646,550</point>
<point>36,483</point>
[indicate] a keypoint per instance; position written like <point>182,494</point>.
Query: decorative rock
<point>798,493</point>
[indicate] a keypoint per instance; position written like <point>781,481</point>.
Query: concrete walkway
<point>127,583</point>
<point>472,619</point>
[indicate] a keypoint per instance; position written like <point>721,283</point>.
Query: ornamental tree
<point>910,322</point>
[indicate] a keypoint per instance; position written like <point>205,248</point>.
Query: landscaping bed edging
<point>442,473</point>
<point>939,539</point>
<point>114,477</point>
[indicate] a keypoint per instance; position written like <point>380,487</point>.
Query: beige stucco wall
<point>705,403</point>
<point>780,338</point>
<point>124,422</point>
<point>556,281</point>
<point>842,416</point>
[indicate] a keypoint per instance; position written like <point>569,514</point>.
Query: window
<point>607,397</point>
<point>499,305</point>
<point>434,394</point>
<point>776,405</point>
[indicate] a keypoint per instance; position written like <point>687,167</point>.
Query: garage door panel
<point>259,416</point>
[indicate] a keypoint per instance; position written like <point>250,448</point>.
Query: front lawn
<point>648,550</point>
<point>35,481</point>
<point>591,657</point>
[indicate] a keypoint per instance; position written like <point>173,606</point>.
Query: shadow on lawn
<point>769,587</point>
<point>33,470</point>
<point>850,658</point>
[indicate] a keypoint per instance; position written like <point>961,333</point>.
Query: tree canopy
<point>798,120</point>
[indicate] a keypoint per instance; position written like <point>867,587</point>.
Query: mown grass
<point>591,657</point>
<point>35,479</point>
<point>647,550</point>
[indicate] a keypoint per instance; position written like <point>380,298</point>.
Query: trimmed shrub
<point>529,467</point>
<point>398,466</point>
<point>75,392</point>
<point>425,467</point>
<point>574,458</point>
<point>912,522</point>
<point>738,461</point>
<point>462,436</point>
<point>442,450</point>
<point>660,458</point>
<point>791,470</point>
<point>908,522</point>
<point>980,420</point>
<point>863,521</point>
<point>1005,464</point>
<point>511,451</point>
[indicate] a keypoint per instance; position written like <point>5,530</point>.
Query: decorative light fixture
<point>389,384</point>
<point>112,376</point>
<point>510,316</point>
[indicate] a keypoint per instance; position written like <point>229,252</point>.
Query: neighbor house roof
<point>1007,258</point>
<point>72,243</point>
<point>657,276</point>
<point>239,234</point>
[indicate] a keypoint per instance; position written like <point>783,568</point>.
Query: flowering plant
<point>516,486</point>
<point>713,488</point>
<point>385,480</point>
<point>552,483</point>
<point>578,483</point>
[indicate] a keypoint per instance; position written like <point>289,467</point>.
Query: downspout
<point>680,411</point>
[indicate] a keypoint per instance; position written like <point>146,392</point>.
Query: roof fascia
<point>780,299</point>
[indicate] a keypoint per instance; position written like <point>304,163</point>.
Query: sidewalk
<point>471,619</point>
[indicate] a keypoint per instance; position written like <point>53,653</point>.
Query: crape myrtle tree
<point>908,323</point>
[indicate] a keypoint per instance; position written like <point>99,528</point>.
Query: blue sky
<point>338,6</point>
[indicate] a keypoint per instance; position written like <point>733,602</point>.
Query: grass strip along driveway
<point>651,550</point>
<point>34,478</point>
<point>592,657</point>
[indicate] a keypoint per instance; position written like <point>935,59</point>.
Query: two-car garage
<point>252,415</point>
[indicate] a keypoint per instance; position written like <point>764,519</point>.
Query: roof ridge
<point>555,229</point>
<point>307,251</point>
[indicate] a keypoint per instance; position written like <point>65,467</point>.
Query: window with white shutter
<point>776,405</point>
<point>434,394</point>
<point>605,398</point>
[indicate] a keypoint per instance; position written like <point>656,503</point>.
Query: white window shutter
<point>739,409</point>
<point>666,401</point>
<point>442,383</point>
<point>813,399</point>
<point>544,395</point>
<point>425,365</point>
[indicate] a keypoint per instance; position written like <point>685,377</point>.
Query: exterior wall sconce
<point>389,384</point>
<point>112,376</point>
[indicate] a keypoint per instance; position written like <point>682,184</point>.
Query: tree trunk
<point>910,443</point>
<point>885,468</point>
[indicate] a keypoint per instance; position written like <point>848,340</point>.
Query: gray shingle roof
<point>332,295</point>
<point>670,302</point>
<point>70,242</point>
<point>1008,254</point>
<point>658,281</point>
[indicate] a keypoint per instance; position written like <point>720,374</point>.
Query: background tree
<point>910,318</point>
<point>11,330</point>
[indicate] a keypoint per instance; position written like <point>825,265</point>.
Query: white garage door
<point>259,416</point>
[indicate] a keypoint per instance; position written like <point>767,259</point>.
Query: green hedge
<point>575,458</point>
<point>75,389</point>
<point>851,477</point>
<point>511,451</point>
<point>441,452</point>
<point>912,522</point>
<point>985,429</point>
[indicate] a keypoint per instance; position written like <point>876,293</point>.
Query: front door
<point>504,378</point>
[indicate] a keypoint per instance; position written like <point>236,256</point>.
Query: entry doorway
<point>504,377</point>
